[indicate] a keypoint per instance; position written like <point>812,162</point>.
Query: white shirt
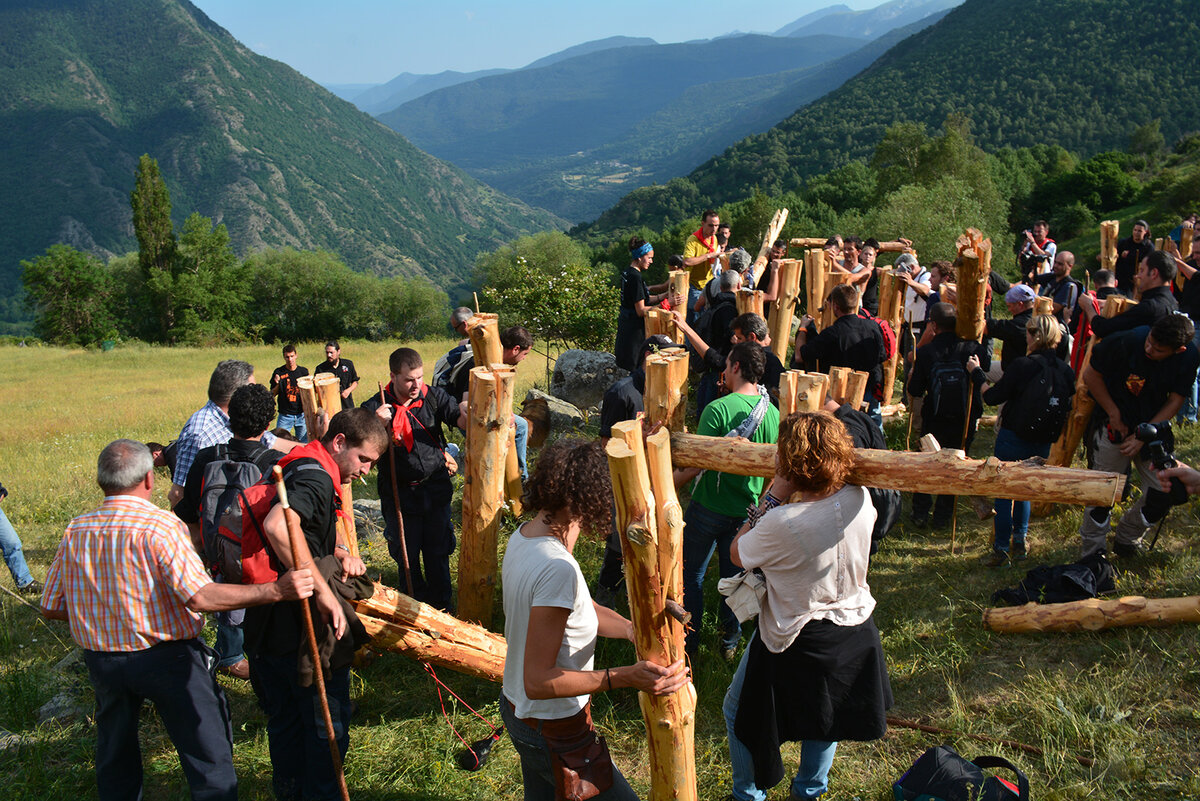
<point>914,304</point>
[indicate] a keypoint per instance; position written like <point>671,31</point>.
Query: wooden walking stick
<point>396,501</point>
<point>294,539</point>
<point>913,337</point>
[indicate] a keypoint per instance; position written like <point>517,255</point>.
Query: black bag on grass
<point>942,775</point>
<point>1055,584</point>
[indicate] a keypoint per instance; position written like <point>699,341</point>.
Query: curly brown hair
<point>572,474</point>
<point>815,451</point>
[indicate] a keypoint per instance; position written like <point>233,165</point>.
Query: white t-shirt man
<point>540,571</point>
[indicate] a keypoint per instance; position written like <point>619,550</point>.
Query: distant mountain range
<point>88,86</point>
<point>870,23</point>
<point>574,132</point>
<point>1075,73</point>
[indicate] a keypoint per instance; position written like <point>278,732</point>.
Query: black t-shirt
<point>1189,296</point>
<point>1155,304</point>
<point>851,341</point>
<point>276,629</point>
<point>425,464</point>
<point>622,401</point>
<point>346,374</point>
<point>633,288</point>
<point>1139,386</point>
<point>772,372</point>
<point>237,450</point>
<point>870,293</point>
<point>1127,266</point>
<point>724,312</point>
<point>289,390</point>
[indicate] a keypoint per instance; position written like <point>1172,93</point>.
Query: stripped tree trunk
<point>665,399</point>
<point>1109,230</point>
<point>783,307</point>
<point>975,256</point>
<point>750,301</point>
<point>1093,614</point>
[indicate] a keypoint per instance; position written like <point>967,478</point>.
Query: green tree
<point>208,299</point>
<point>71,294</point>
<point>151,203</point>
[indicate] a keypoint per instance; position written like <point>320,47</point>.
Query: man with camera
<point>1037,251</point>
<point>1137,377</point>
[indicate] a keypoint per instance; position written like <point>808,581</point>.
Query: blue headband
<point>638,252</point>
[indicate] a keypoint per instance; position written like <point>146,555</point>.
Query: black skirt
<point>830,684</point>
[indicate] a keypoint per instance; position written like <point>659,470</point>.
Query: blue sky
<point>372,41</point>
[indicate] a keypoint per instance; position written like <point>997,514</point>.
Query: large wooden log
<point>750,301</point>
<point>489,408</point>
<point>670,720</point>
<point>832,280</point>
<point>349,532</point>
<point>1186,237</point>
<point>945,473</point>
<point>814,283</point>
<point>665,398</point>
<point>661,322</point>
<point>856,389</point>
<point>679,283</point>
<point>1043,306</point>
<point>1093,614</point>
<point>839,377</point>
<point>1109,230</point>
<point>783,307</point>
<point>399,623</point>
<point>669,517</point>
<point>329,392</point>
<point>309,402</point>
<point>975,263</point>
<point>774,229</point>
<point>808,242</point>
<point>484,332</point>
<point>891,311</point>
<point>811,391</point>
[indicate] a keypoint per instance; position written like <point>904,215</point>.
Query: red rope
<point>438,684</point>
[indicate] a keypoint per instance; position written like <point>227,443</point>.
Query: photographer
<point>1136,377</point>
<point>1037,251</point>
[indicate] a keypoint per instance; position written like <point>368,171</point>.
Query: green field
<point>1125,698</point>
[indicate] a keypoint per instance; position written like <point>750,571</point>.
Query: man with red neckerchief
<point>416,413</point>
<point>700,254</point>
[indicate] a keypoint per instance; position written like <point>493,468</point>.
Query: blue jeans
<point>521,440</point>
<point>177,677</point>
<point>535,762</point>
<point>703,532</point>
<point>295,423</point>
<point>1012,517</point>
<point>1187,413</point>
<point>300,762</point>
<point>14,557</point>
<point>816,756</point>
<point>231,640</point>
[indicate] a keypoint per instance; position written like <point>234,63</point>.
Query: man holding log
<point>1153,279</point>
<point>140,627</point>
<point>1138,376</point>
<point>852,341</point>
<point>1130,252</point>
<point>343,369</point>
<point>414,478</point>
<point>281,667</point>
<point>285,387</point>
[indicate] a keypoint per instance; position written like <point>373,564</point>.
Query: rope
<point>438,684</point>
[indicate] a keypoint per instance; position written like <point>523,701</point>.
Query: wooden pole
<point>764,250</point>
<point>679,283</point>
<point>750,301</point>
<point>295,537</point>
<point>891,311</point>
<point>665,398</point>
<point>839,377</point>
<point>670,720</point>
<point>808,242</point>
<point>1109,230</point>
<point>831,281</point>
<point>856,388</point>
<point>975,257</point>
<point>397,622</point>
<point>1093,614</point>
<point>484,332</point>
<point>660,321</point>
<point>349,532</point>
<point>309,403</point>
<point>948,472</point>
<point>329,393</point>
<point>1186,237</point>
<point>811,391</point>
<point>1043,306</point>
<point>399,518</point>
<point>783,307</point>
<point>669,518</point>
<point>489,407</point>
<point>814,278</point>
<point>788,386</point>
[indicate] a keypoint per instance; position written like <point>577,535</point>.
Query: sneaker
<point>1020,551</point>
<point>995,559</point>
<point>239,670</point>
<point>1126,550</point>
<point>34,587</point>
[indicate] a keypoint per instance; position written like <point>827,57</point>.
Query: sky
<point>373,41</point>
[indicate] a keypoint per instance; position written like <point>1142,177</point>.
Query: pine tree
<point>151,202</point>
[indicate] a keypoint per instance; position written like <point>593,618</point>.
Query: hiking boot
<point>1127,550</point>
<point>1020,551</point>
<point>995,559</point>
<point>239,669</point>
<point>34,587</point>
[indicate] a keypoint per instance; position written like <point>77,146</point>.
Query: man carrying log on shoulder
<point>414,478</point>
<point>700,256</point>
<point>1138,376</point>
<point>280,663</point>
<point>1153,279</point>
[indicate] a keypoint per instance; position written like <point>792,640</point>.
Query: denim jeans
<point>177,677</point>
<point>535,762</point>
<point>703,532</point>
<point>816,756</point>
<point>14,557</point>
<point>231,640</point>
<point>300,762</point>
<point>295,423</point>
<point>1012,517</point>
<point>521,440</point>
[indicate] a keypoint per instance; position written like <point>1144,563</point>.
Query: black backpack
<point>1039,413</point>
<point>949,385</point>
<point>942,775</point>
<point>225,482</point>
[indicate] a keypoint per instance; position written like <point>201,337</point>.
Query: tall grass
<point>1126,698</point>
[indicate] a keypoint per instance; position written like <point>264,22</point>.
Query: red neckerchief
<point>315,450</point>
<point>1083,334</point>
<point>711,247</point>
<point>402,430</point>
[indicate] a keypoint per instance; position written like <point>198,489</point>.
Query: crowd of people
<point>807,532</point>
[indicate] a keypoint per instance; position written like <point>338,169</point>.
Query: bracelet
<point>608,678</point>
<point>343,547</point>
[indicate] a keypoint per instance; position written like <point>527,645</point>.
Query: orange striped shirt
<point>124,573</point>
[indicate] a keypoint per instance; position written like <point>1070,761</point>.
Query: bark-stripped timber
<point>1093,614</point>
<point>783,307</point>
<point>947,472</point>
<point>665,398</point>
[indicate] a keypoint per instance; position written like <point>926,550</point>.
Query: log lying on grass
<point>399,623</point>
<point>944,473</point>
<point>1093,614</point>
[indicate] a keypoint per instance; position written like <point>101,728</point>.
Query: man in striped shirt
<point>128,580</point>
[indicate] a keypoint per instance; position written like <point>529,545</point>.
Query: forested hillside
<point>1081,74</point>
<point>88,86</point>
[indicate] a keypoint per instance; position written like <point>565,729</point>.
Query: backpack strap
<point>1001,762</point>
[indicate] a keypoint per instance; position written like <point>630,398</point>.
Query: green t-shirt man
<point>726,493</point>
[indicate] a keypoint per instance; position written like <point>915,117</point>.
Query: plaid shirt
<point>208,426</point>
<point>124,573</point>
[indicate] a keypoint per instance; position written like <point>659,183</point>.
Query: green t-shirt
<point>726,493</point>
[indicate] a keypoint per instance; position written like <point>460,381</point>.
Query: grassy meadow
<point>1125,698</point>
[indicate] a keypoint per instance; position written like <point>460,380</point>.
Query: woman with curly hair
<point>815,670</point>
<point>551,625</point>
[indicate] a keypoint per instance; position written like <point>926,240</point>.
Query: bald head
<point>1064,262</point>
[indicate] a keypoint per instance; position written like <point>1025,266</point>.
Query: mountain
<point>868,23</point>
<point>349,91</point>
<point>542,127</point>
<point>409,85</point>
<point>1086,82</point>
<point>594,46</point>
<point>87,86</point>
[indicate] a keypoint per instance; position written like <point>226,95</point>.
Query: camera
<point>1152,435</point>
